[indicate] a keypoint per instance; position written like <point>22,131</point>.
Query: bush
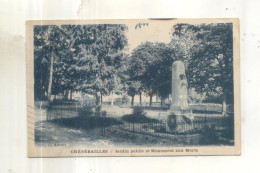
<point>92,111</point>
<point>138,111</point>
<point>86,111</point>
<point>138,116</point>
<point>87,101</point>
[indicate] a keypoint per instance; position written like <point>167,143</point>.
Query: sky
<point>155,32</point>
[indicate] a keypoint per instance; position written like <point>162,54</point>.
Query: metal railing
<point>221,127</point>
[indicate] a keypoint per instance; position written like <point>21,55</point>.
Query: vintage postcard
<point>133,87</point>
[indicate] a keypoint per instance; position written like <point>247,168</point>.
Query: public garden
<point>91,89</point>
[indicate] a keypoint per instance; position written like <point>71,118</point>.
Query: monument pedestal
<point>179,120</point>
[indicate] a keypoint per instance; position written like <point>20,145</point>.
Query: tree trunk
<point>67,94</point>
<point>132,102</point>
<point>101,98</point>
<point>50,78</point>
<point>157,97</point>
<point>140,98</point>
<point>70,94</point>
<point>97,99</point>
<point>162,102</point>
<point>151,100</point>
<point>224,105</point>
<point>112,99</point>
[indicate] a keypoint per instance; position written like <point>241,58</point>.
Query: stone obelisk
<point>179,106</point>
<point>179,88</point>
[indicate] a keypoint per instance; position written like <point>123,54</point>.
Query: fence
<point>59,113</point>
<point>161,128</point>
<point>59,110</point>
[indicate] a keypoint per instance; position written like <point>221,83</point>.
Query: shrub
<point>86,111</point>
<point>92,111</point>
<point>138,116</point>
<point>87,101</point>
<point>138,111</point>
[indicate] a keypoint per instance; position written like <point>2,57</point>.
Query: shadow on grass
<point>87,123</point>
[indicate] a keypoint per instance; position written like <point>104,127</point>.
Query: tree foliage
<point>92,59</point>
<point>49,41</point>
<point>207,51</point>
<point>87,57</point>
<point>99,57</point>
<point>149,69</point>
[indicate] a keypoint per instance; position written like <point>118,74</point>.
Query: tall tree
<point>137,63</point>
<point>215,74</point>
<point>186,43</point>
<point>158,74</point>
<point>208,56</point>
<point>48,48</point>
<point>99,57</point>
<point>150,70</point>
<point>41,63</point>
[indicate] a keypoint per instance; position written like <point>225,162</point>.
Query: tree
<point>208,55</point>
<point>78,57</point>
<point>157,76</point>
<point>216,73</point>
<point>149,68</point>
<point>49,47</point>
<point>186,43</point>
<point>41,63</point>
<point>98,57</point>
<point>136,66</point>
